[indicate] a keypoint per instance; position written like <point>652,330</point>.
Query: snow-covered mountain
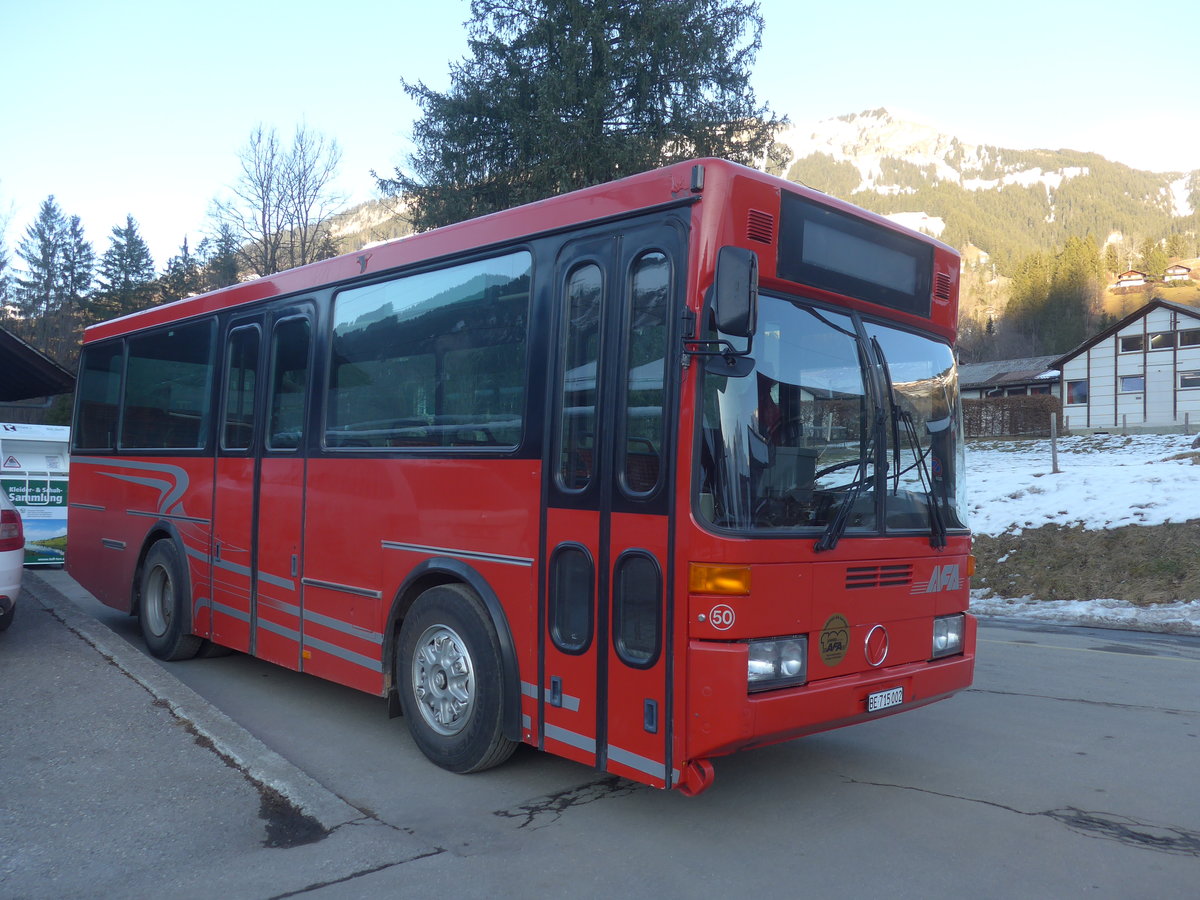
<point>874,141</point>
<point>1008,202</point>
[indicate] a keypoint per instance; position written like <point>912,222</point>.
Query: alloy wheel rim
<point>443,679</point>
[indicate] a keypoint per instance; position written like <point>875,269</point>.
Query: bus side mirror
<point>735,304</point>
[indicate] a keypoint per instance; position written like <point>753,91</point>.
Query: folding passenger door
<point>259,495</point>
<point>234,493</point>
<point>605,616</point>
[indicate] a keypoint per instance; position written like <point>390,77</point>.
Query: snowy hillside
<point>868,139</point>
<point>1106,482</point>
<point>1008,202</point>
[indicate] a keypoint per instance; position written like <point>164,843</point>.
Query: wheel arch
<point>445,570</point>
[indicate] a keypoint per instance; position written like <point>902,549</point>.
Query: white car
<point>12,559</point>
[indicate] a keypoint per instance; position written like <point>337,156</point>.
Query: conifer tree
<point>78,267</point>
<point>4,300</point>
<point>219,254</point>
<point>562,94</point>
<point>126,274</point>
<point>184,276</point>
<point>39,289</point>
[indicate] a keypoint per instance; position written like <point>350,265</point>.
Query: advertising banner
<point>34,462</point>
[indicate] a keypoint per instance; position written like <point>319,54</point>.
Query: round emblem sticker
<point>722,617</point>
<point>834,640</point>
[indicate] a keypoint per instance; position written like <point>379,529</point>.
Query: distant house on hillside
<point>1132,278</point>
<point>1008,378</point>
<point>1143,372</point>
<point>1177,272</point>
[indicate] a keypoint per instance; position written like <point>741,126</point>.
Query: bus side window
<point>581,370</point>
<point>645,373</point>
<point>241,368</point>
<point>99,397</point>
<point>289,384</point>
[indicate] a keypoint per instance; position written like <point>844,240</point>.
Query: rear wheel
<point>165,607</point>
<point>447,668</point>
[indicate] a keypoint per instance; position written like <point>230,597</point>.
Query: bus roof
<point>671,184</point>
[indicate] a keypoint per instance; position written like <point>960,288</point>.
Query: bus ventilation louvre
<point>760,226</point>
<point>941,287</point>
<point>858,577</point>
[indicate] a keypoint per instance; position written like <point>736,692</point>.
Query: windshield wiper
<point>937,522</point>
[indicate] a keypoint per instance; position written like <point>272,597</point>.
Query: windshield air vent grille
<point>760,226</point>
<point>858,577</point>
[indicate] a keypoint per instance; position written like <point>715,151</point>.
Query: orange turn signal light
<point>970,566</point>
<point>707,578</point>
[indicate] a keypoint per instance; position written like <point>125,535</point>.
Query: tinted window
<point>645,372</point>
<point>432,360</point>
<point>572,596</point>
<point>637,603</point>
<point>581,362</point>
<point>241,381</point>
<point>289,384</point>
<point>99,397</point>
<point>168,388</point>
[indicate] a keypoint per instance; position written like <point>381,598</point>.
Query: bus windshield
<point>843,427</point>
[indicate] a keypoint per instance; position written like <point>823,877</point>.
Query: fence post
<point>1054,470</point>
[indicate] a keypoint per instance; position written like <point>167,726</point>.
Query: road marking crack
<point>1172,839</point>
<point>437,851</point>
<point>543,811</point>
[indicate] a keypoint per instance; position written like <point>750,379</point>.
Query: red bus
<point>641,475</point>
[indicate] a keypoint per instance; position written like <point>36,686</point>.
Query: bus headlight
<point>948,635</point>
<point>777,662</point>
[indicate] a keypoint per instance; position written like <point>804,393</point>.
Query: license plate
<point>884,699</point>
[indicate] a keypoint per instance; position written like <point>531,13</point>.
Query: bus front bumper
<point>723,717</point>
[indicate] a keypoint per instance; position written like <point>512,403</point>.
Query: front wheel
<point>447,669</point>
<point>165,607</point>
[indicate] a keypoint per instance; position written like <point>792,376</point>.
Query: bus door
<point>605,624</point>
<point>259,503</point>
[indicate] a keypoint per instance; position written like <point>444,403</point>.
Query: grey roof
<point>26,372</point>
<point>1006,371</point>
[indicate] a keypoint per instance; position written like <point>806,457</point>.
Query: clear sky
<point>140,106</point>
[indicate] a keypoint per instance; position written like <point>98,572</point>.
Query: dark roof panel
<point>26,372</point>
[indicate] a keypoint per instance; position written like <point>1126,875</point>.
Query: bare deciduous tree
<point>282,202</point>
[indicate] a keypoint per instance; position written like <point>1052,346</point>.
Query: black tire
<point>164,609</point>
<point>447,670</point>
<point>6,616</point>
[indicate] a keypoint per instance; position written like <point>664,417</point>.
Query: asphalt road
<point>1069,769</point>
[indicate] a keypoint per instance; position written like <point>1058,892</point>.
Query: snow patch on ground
<point>1105,481</point>
<point>1175,618</point>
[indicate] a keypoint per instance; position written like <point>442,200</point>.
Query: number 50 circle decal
<point>722,617</point>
